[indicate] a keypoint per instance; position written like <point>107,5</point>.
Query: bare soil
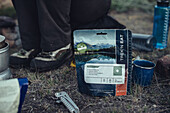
<point>152,99</point>
<point>5,3</point>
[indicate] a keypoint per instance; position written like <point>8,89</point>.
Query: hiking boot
<point>22,58</point>
<point>46,61</point>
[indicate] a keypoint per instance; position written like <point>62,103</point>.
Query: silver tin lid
<point>2,38</point>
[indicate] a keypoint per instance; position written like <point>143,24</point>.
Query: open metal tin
<point>4,57</point>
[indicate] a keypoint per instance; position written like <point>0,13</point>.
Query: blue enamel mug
<point>143,72</point>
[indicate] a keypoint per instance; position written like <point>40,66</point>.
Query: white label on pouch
<point>104,73</point>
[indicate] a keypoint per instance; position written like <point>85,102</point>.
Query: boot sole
<point>18,66</point>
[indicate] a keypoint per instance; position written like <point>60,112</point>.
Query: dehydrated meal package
<point>103,61</point>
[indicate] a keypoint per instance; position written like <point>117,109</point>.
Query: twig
<point>156,80</point>
<point>87,106</point>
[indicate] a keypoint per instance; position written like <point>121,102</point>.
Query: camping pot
<point>2,41</point>
<point>4,57</point>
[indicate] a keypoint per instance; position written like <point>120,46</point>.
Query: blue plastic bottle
<point>161,23</point>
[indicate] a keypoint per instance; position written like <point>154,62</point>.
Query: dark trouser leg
<point>105,22</point>
<point>28,23</point>
<point>54,23</point>
<point>92,14</point>
<point>85,11</point>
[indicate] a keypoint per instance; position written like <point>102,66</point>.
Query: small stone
<point>34,99</point>
<point>162,68</point>
<point>6,22</point>
<point>154,105</point>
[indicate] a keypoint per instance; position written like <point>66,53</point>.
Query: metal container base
<point>5,74</point>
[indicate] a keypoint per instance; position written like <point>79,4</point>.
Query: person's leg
<point>28,23</point>
<point>29,30</point>
<point>105,22</point>
<point>54,18</point>
<point>92,14</point>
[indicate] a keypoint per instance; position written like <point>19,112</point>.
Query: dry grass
<point>155,98</point>
<point>40,95</point>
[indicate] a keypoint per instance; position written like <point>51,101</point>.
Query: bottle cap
<point>163,3</point>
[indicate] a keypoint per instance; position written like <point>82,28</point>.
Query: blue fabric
<point>23,83</point>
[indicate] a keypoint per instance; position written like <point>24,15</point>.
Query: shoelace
<point>22,52</point>
<point>44,54</point>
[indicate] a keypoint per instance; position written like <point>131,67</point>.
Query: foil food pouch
<point>103,61</point>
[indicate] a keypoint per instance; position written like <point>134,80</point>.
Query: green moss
<point>8,11</point>
<point>126,5</point>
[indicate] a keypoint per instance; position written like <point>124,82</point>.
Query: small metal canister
<point>4,59</point>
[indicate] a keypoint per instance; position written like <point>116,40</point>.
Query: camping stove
<point>5,72</point>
